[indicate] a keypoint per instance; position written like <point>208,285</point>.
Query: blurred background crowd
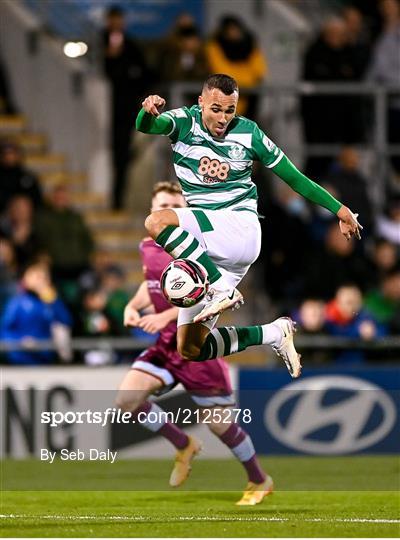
<point>61,272</point>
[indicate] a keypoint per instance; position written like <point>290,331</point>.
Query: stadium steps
<point>75,181</point>
<point>125,257</point>
<point>31,143</point>
<point>87,200</point>
<point>117,240</point>
<point>45,163</point>
<point>10,124</point>
<point>109,220</point>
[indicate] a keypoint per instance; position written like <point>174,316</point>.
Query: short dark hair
<point>172,187</point>
<point>115,11</point>
<point>222,82</point>
<point>34,262</point>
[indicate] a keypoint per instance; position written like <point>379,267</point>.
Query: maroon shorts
<point>208,382</point>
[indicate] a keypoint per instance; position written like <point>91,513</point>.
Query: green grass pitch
<point>315,497</point>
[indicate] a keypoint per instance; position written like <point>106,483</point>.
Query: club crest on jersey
<point>197,139</point>
<point>236,152</point>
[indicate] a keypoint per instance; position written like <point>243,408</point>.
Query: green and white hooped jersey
<point>216,173</point>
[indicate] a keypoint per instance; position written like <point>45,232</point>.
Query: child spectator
<point>311,319</point>
<point>32,314</point>
<point>345,317</point>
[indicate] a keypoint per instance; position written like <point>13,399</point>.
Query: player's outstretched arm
<point>300,183</point>
<point>140,300</point>
<point>149,119</point>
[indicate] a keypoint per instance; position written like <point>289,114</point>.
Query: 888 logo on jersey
<point>213,170</point>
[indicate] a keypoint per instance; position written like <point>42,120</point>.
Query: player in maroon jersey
<point>161,367</point>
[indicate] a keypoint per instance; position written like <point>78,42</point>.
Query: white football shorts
<point>231,238</point>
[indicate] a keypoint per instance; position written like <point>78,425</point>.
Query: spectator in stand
<point>288,213</point>
<point>99,262</point>
<point>112,283</point>
<point>359,40</point>
<point>321,220</point>
<point>126,69</point>
<point>360,46</point>
<point>372,16</point>
<point>385,68</point>
<point>15,179</point>
<point>311,316</point>
<point>234,51</point>
<point>32,314</point>
<point>96,323</point>
<point>63,234</point>
<point>6,101</point>
<point>330,118</point>
<point>311,319</point>
<point>388,224</point>
<point>345,317</point>
<point>337,262</point>
<point>384,302</point>
<point>182,54</point>
<point>18,226</point>
<point>8,271</point>
<point>351,186</point>
<point>383,257</point>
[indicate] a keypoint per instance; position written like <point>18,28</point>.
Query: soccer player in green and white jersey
<point>213,153</point>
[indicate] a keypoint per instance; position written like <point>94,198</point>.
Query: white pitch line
<point>198,518</point>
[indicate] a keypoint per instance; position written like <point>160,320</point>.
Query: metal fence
<point>322,342</point>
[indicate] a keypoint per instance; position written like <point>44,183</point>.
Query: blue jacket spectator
<point>345,317</point>
<point>30,315</point>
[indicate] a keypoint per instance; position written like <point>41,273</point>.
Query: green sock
<point>230,339</point>
<point>180,244</point>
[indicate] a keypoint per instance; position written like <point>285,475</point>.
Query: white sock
<point>272,334</point>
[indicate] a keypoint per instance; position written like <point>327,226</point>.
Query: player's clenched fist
<point>152,104</point>
<point>131,316</point>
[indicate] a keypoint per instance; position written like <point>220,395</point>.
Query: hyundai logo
<point>300,411</point>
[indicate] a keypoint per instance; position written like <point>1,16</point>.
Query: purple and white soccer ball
<point>184,283</point>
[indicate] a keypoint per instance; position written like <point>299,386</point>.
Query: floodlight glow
<point>74,49</point>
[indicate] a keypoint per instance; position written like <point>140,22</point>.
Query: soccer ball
<point>184,283</point>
